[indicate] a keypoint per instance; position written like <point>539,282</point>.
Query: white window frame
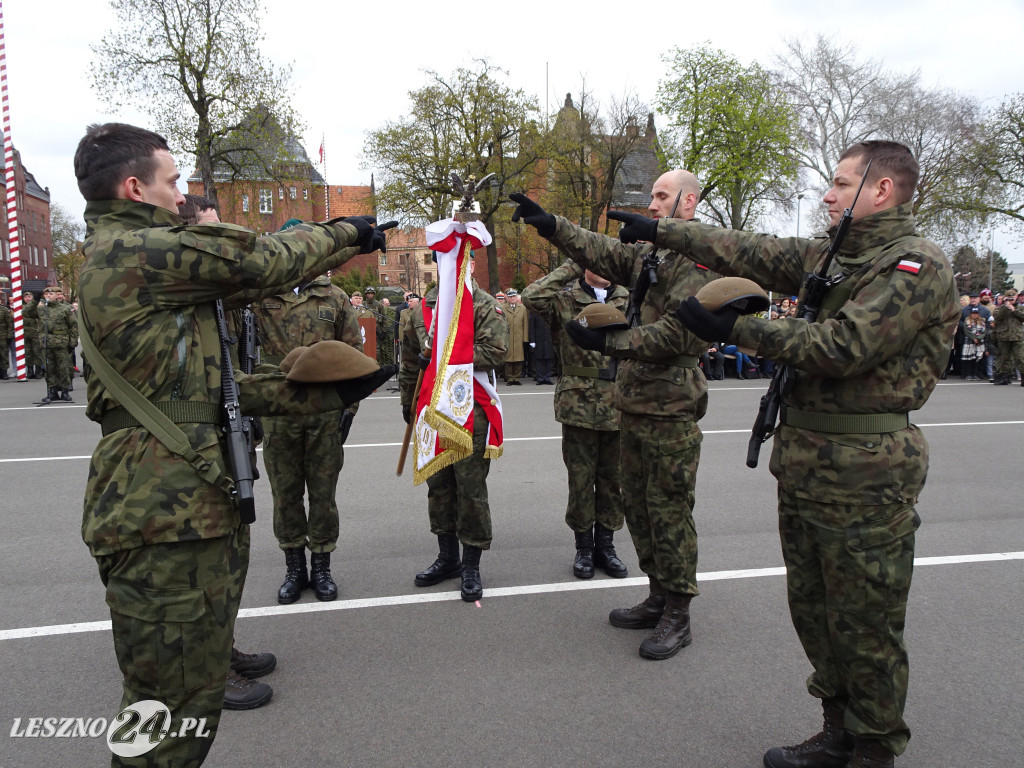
<point>266,201</point>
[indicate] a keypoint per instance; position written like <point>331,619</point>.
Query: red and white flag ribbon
<point>444,411</point>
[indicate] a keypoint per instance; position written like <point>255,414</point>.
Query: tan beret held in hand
<point>328,361</point>
<point>743,295</point>
<point>602,317</point>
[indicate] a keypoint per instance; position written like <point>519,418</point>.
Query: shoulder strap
<point>158,424</point>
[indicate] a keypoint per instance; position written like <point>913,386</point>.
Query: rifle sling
<point>150,415</point>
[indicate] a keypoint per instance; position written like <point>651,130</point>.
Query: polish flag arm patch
<point>909,266</point>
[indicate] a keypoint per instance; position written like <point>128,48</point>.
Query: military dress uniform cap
<point>290,358</point>
<point>602,316</point>
<point>512,292</point>
<point>330,360</point>
<point>743,295</point>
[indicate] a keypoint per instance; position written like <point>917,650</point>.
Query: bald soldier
<point>661,394</point>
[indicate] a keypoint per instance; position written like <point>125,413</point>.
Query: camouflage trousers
<point>58,363</point>
<point>173,609</point>
<point>457,495</point>
<point>5,354</point>
<point>1010,356</point>
<point>659,469</point>
<point>385,350</point>
<point>592,458</point>
<point>33,351</point>
<point>304,454</point>
<point>848,572</point>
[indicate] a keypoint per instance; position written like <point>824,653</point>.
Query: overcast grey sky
<point>355,63</point>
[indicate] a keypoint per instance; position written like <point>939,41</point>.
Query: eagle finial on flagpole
<point>467,209</point>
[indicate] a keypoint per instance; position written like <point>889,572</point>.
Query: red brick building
<point>35,242</point>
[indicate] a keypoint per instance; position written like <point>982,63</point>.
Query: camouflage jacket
<point>658,375</point>
<point>58,325</point>
<point>880,343</point>
<point>319,311</point>
<point>146,298</point>
<point>6,322</point>
<point>1009,323</point>
<point>30,325</point>
<point>490,338</point>
<point>580,400</point>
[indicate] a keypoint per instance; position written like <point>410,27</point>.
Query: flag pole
<point>323,163</point>
<point>12,216</point>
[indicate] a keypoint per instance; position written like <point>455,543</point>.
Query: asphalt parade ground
<point>534,676</point>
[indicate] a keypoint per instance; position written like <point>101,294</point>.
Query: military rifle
<point>248,359</point>
<point>234,426</point>
<point>816,286</point>
<point>648,276</point>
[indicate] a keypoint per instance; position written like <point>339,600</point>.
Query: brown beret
<point>603,316</point>
<point>745,296</point>
<point>330,361</point>
<point>290,358</point>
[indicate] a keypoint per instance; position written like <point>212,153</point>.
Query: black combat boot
<point>604,553</point>
<point>831,748</point>
<point>447,566</point>
<point>645,615</point>
<point>252,665</point>
<point>583,566</point>
<point>242,693</point>
<point>320,576</point>
<point>672,632</point>
<point>51,395</point>
<point>295,579</point>
<point>472,586</point>
<point>870,754</point>
<point>65,396</point>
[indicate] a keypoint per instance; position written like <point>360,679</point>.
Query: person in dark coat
<point>542,348</point>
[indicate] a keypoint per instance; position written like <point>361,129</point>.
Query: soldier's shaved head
<point>677,185</point>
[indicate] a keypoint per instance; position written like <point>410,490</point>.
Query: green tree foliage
<point>999,155</point>
<point>972,270</point>
<point>470,123</point>
<point>195,67</point>
<point>356,279</point>
<point>733,128</point>
<point>66,233</point>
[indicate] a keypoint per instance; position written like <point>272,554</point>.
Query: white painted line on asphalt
<point>556,437</point>
<point>527,589</point>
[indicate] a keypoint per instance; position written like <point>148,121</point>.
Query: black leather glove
<point>352,391</point>
<point>587,338</point>
<point>423,361</point>
<point>636,226</point>
<point>379,241</point>
<point>345,423</point>
<point>532,214</point>
<point>407,413</point>
<point>710,326</point>
<point>363,225</point>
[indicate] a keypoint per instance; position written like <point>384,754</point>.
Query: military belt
<point>869,423</point>
<point>178,411</point>
<point>591,372</point>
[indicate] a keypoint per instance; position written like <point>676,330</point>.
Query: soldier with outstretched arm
<point>850,465</point>
<point>661,395</point>
<point>165,532</point>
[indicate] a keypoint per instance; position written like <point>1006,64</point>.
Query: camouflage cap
<point>330,360</point>
<point>743,295</point>
<point>290,358</point>
<point>602,316</point>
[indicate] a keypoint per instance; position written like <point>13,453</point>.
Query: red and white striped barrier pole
<point>12,215</point>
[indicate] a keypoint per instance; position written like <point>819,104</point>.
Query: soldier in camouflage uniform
<point>662,394</point>
<point>386,334</point>
<point>585,407</point>
<point>33,349</point>
<point>6,334</point>
<point>457,503</point>
<point>165,532</point>
<point>305,453</point>
<point>849,463</point>
<point>59,337</point>
<point>1009,333</point>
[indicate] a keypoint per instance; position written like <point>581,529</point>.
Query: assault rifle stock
<point>816,287</point>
